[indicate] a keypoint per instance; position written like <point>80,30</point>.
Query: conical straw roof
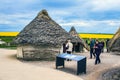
<point>74,33</point>
<point>115,42</point>
<point>43,31</point>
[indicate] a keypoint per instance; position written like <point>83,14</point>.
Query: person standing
<point>107,44</point>
<point>63,48</point>
<point>97,52</point>
<point>92,43</point>
<point>86,41</point>
<point>103,44</point>
<point>69,47</point>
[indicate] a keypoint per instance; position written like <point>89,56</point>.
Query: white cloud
<point>92,25</point>
<point>76,23</point>
<point>17,2</point>
<point>16,19</point>
<point>5,22</point>
<point>59,13</point>
<point>103,5</point>
<point>113,23</point>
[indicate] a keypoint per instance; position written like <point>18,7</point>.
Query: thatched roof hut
<point>80,43</point>
<point>115,42</point>
<point>41,38</point>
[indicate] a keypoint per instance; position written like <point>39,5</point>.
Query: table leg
<point>59,62</point>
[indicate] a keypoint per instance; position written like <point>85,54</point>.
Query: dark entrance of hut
<point>80,44</point>
<point>77,47</point>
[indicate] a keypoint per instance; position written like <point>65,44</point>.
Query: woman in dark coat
<point>97,52</point>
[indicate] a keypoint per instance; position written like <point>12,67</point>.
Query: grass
<point>8,40</point>
<point>8,47</point>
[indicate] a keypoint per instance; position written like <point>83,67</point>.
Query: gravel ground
<point>12,68</point>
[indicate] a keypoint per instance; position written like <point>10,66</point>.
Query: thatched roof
<point>115,42</point>
<point>43,31</point>
<point>74,33</point>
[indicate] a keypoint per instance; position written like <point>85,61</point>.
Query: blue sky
<point>87,16</point>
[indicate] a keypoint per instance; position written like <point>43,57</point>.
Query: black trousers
<point>68,52</point>
<point>92,52</point>
<point>97,58</point>
<point>102,50</point>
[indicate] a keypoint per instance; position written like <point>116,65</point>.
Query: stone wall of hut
<point>36,53</point>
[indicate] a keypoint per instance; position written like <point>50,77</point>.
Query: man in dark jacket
<point>92,43</point>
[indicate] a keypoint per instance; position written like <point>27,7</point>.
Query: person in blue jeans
<point>92,43</point>
<point>97,52</point>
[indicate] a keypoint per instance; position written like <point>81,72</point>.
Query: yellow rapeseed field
<point>8,33</point>
<point>96,35</point>
<point>82,35</point>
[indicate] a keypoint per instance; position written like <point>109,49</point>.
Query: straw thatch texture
<point>43,31</point>
<point>74,33</point>
<point>115,42</point>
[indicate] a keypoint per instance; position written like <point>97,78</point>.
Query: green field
<point>8,40</point>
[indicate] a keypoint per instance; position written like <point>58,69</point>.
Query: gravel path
<point>108,61</point>
<point>13,69</point>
